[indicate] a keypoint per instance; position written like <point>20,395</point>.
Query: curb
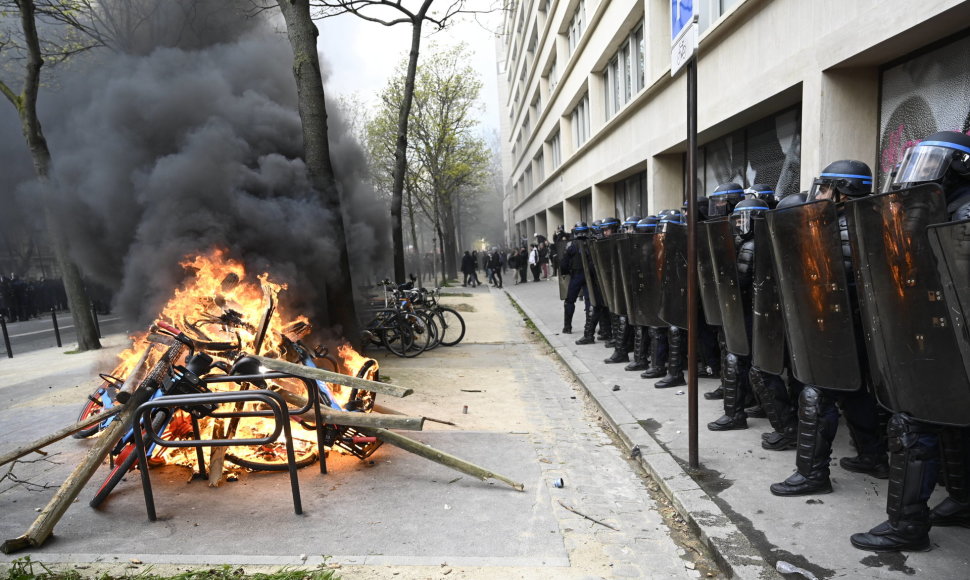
<point>729,546</point>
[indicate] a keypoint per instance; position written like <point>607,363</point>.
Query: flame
<point>221,304</point>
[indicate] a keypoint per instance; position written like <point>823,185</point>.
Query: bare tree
<point>29,48</point>
<point>302,33</point>
<point>390,13</point>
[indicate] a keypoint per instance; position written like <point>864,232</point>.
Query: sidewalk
<point>516,410</point>
<point>728,498</point>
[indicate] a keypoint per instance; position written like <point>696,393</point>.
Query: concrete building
<point>595,125</point>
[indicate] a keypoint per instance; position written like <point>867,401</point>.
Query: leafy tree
<point>389,13</point>
<point>447,159</point>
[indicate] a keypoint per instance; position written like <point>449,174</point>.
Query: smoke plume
<point>190,141</point>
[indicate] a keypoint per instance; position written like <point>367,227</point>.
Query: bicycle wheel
<point>278,463</point>
<point>432,319</point>
<point>397,336</point>
<point>126,460</point>
<point>102,397</point>
<point>422,335</point>
<point>452,327</point>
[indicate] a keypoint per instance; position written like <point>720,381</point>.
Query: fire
<point>229,312</point>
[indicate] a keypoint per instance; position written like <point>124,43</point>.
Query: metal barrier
<point>278,410</point>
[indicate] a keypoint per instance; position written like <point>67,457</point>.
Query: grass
<point>27,569</point>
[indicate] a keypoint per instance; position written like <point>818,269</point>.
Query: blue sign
<point>681,15</point>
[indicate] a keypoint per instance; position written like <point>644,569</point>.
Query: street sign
<point>683,33</point>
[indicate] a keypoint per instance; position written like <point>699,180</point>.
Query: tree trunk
<point>26,103</point>
<point>451,244</point>
<point>302,33</point>
<point>400,151</point>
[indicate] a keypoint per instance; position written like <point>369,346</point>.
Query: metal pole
<point>57,331</point>
<point>97,325</point>
<point>693,460</point>
<point>6,337</point>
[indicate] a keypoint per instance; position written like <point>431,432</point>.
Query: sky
<point>362,56</point>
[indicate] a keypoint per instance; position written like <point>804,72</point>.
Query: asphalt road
<point>38,333</point>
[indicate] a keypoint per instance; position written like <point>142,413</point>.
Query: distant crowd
<point>22,299</point>
<point>538,258</point>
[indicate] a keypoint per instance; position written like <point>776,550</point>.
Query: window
<point>555,146</point>
<point>577,24</point>
<point>540,165</point>
<point>528,180</point>
<point>586,209</point>
<point>624,73</point>
<point>553,77</point>
<point>580,118</point>
<point>537,105</point>
<point>630,195</point>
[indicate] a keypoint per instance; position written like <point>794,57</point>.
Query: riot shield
<point>951,246</point>
<point>561,244</point>
<point>623,269</point>
<point>806,249</point>
<point>705,278</point>
<point>647,291</point>
<point>724,260</point>
<point>616,282</point>
<point>768,326</point>
<point>602,254</point>
<point>913,344</point>
<point>589,271</point>
<point>673,293</point>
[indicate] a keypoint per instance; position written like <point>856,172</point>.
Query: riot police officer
<point>597,314</point>
<point>916,446</point>
<point>818,417</point>
<point>624,335</point>
<point>571,264</point>
<point>736,383</point>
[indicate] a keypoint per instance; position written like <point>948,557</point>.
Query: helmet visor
<point>717,206</point>
<point>741,222</point>
<point>923,163</point>
<point>823,189</point>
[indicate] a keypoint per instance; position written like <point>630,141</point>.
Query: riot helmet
<point>630,223</point>
<point>842,179</point>
<point>742,218</point>
<point>609,225</point>
<point>701,206</point>
<point>764,192</point>
<point>791,200</point>
<point>943,157</point>
<point>723,199</point>
<point>580,230</point>
<point>670,216</point>
<point>596,228</point>
<point>647,225</point>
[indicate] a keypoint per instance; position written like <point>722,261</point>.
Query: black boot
<point>875,465</point>
<point>913,467</point>
<point>620,337</point>
<point>588,329</point>
<point>785,426</point>
<point>734,416</point>
<point>814,448</point>
<point>716,394</point>
<point>568,309</point>
<point>605,332</point>
<point>955,509</point>
<point>640,344</point>
<point>616,330</point>
<point>658,354</point>
<point>675,362</point>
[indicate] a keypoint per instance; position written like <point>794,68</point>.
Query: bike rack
<point>278,410</point>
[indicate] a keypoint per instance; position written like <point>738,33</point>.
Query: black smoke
<point>162,152</point>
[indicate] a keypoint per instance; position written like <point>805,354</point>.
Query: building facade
<point>594,124</point>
